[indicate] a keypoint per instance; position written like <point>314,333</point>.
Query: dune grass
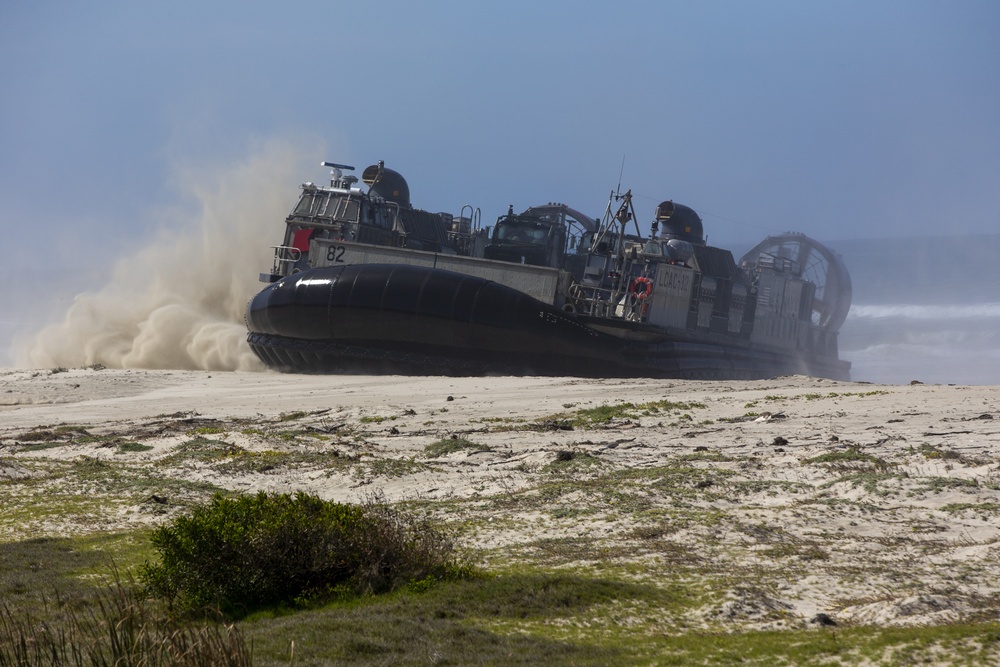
<point>518,616</point>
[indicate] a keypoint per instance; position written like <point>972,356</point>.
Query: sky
<point>842,119</point>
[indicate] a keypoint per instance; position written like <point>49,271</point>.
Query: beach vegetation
<point>290,436</point>
<point>621,491</point>
<point>983,508</point>
<point>62,433</point>
<point>70,601</point>
<point>936,484</point>
<point>452,445</point>
<point>496,420</point>
<point>131,447</point>
<point>936,453</point>
<point>707,455</point>
<point>572,550</point>
<point>41,446</point>
<point>872,482</point>
<point>524,616</point>
<point>807,551</point>
<point>31,516</point>
<point>931,452</point>
<point>603,415</point>
<point>72,429</point>
<point>208,430</point>
<point>200,449</point>
<point>850,457</point>
<point>387,468</point>
<point>767,487</point>
<point>579,603</point>
<point>78,495</point>
<point>121,627</point>
<point>619,545</point>
<point>376,419</point>
<point>66,436</point>
<point>517,617</point>
<point>815,396</point>
<point>241,554</point>
<point>243,461</point>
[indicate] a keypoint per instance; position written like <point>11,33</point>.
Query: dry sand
<point>788,498</point>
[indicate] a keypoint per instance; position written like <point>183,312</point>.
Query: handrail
<point>475,216</point>
<point>617,305</point>
<point>285,256</point>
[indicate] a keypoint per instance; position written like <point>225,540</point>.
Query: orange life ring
<point>641,287</point>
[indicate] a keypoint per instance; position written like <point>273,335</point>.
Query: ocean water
<point>922,309</point>
<point>941,344</point>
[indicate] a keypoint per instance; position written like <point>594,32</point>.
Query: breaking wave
<point>178,302</point>
<point>951,312</point>
<point>944,343</point>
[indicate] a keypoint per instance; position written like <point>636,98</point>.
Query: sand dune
<point>796,496</point>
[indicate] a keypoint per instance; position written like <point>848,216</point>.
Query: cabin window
<point>344,209</point>
<point>653,249</point>
<point>321,205</point>
<point>518,233</point>
<point>313,204</point>
<point>305,205</point>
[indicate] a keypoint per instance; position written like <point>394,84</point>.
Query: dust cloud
<point>178,302</point>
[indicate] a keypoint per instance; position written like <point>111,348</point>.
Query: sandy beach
<point>870,504</point>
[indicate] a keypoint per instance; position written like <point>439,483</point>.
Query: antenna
<point>337,173</point>
<point>622,171</point>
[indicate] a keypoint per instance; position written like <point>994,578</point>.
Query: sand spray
<point>178,301</point>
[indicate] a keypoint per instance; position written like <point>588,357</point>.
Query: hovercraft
<point>365,283</point>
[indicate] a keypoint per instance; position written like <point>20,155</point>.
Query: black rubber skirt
<point>409,319</point>
<point>412,320</point>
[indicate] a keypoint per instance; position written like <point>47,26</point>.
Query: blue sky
<point>840,119</point>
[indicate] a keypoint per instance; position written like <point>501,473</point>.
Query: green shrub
<point>241,554</point>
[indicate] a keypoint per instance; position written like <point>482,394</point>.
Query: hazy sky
<point>841,119</point>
